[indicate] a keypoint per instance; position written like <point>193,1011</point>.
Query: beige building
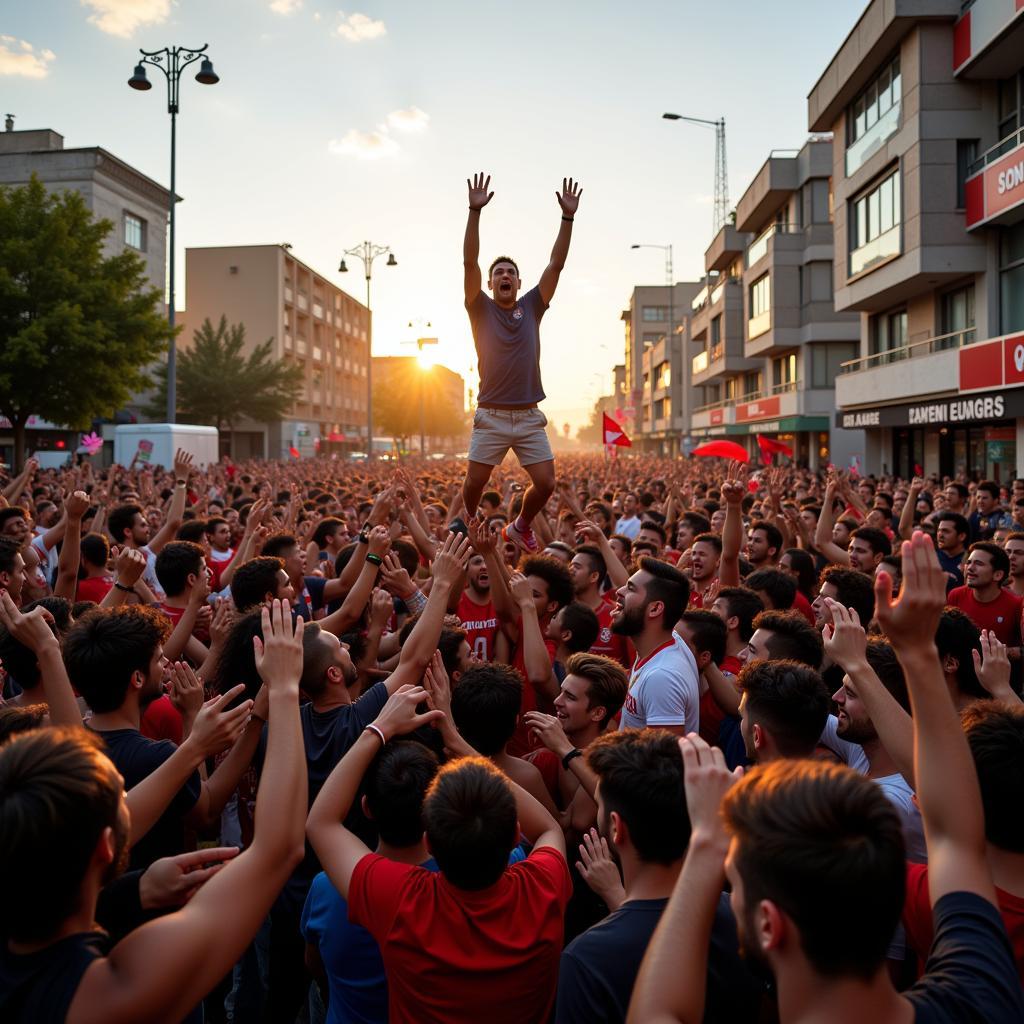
<point>312,322</point>
<point>767,342</point>
<point>925,100</point>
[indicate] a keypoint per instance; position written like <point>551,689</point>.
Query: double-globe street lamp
<point>368,252</point>
<point>172,61</point>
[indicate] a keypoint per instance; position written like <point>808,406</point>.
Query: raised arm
<point>13,490</point>
<point>71,550</point>
<point>479,197</point>
<point>176,510</point>
<point>618,574</point>
<point>906,530</point>
<point>732,533</point>
<point>569,201</point>
<point>539,673</point>
<point>823,534</point>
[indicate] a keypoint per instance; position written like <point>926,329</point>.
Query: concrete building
<point>443,394</point>
<point>656,384</point>
<point>767,341</point>
<point>925,100</point>
<point>312,323</point>
<point>136,206</point>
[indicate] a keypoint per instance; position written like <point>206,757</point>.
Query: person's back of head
<point>995,735</point>
<point>18,660</point>
<point>279,545</point>
<point>789,701</point>
<point>581,624</point>
<point>777,586</point>
<point>956,639</point>
<point>254,580</point>
<point>396,785</point>
<point>668,585</point>
<point>792,637</point>
<point>853,589</point>
<point>469,815</point>
<point>743,605</point>
<point>194,531</point>
<point>706,633</point>
<point>176,562</point>
<point>95,550</point>
<point>554,573</point>
<point>485,706</point>
<point>237,660</point>
<point>58,795</point>
<point>15,719</point>
<point>104,650</point>
<point>640,773</point>
<point>803,828</point>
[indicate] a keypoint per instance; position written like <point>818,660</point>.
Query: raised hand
<point>173,881</point>
<point>911,621</point>
<point>130,566</point>
<point>589,532</point>
<point>222,621</point>
<point>380,541</point>
<point>399,716</point>
<point>522,592</point>
<point>599,870</point>
<point>182,465</point>
<point>395,579</point>
<point>33,629</point>
<point>438,685</point>
<point>279,653</point>
<point>215,729</point>
<point>569,197</point>
<point>846,643</point>
<point>706,780</point>
<point>733,492</point>
<point>76,505</point>
<point>186,690</point>
<point>479,197</point>
<point>381,606</point>
<point>451,559</point>
<point>548,729</point>
<point>480,536</point>
<point>992,666</point>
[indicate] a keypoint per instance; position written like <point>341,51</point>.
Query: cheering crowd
<point>312,742</point>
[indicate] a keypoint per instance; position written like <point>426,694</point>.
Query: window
<point>826,361</point>
<point>888,331</point>
<point>134,232</point>
<point>654,314</point>
<point>716,330</point>
<point>652,337</point>
<point>1011,279</point>
<point>966,154</point>
<point>874,225</point>
<point>784,370</point>
<point>958,317</point>
<point>760,296</point>
<point>752,383</point>
<point>1011,102</point>
<point>815,282</point>
<point>874,116</point>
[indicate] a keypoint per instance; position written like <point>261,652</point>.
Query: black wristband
<point>569,219</point>
<point>374,559</point>
<point>575,752</point>
<point>121,586</point>
<point>364,535</point>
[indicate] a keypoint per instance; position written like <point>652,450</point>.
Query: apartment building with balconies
<point>312,323</point>
<point>657,377</point>
<point>767,340</point>
<point>925,100</point>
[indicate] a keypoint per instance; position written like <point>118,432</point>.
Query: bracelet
<point>374,728</point>
<point>374,559</point>
<point>569,219</point>
<point>121,586</point>
<point>363,536</point>
<point>575,752</point>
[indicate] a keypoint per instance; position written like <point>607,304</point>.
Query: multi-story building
<point>312,323</point>
<point>767,342</point>
<point>436,390</point>
<point>135,205</point>
<point>925,99</point>
<point>656,385</point>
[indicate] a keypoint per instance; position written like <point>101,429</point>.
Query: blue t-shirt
<point>508,349</point>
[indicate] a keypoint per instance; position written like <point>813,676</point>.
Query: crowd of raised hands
<point>312,741</point>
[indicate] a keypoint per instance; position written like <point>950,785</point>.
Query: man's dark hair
<point>957,637</point>
<point>19,661</point>
<point>806,570</point>
<point>213,522</point>
<point>607,681</point>
<point>709,632</point>
<point>801,828</point>
<point>653,527</point>
<point>771,532</point>
<point>697,522</point>
<point>788,699</point>
<point>9,551</point>
<point>396,783</point>
<point>596,558</point>
<point>16,720</point>
<point>990,487</point>
<point>485,706</point>
<point>501,259</point>
<point>709,538</point>
<point>961,489</point>
<point>881,656</point>
<point>121,519</point>
<point>492,497</point>
<point>554,573</point>
<point>626,542</point>
<point>11,512</point>
<point>470,818</point>
<point>58,792</point>
<point>582,624</point>
<point>95,549</point>
<point>854,589</point>
<point>237,661</point>
<point>327,527</point>
<point>448,644</point>
<point>194,530</point>
<point>408,556</point>
<point>668,585</point>
<point>995,734</point>
<point>278,543</point>
<point>875,539</point>
<point>793,639</point>
<point>253,580</point>
<point>745,605</point>
<point>641,780</point>
<point>103,650</point>
<point>1000,559</point>
<point>176,562</point>
<point>778,585</point>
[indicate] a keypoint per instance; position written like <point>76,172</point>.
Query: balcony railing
<point>758,248</point>
<point>700,362</point>
<point>871,141</point>
<point>1003,146</point>
<point>701,298</point>
<point>939,343</point>
<point>757,325</point>
<point>753,396</point>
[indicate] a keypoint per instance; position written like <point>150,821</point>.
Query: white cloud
<point>411,119</point>
<point>285,7</point>
<point>18,57</point>
<point>358,28</point>
<point>123,17</point>
<point>364,145</point>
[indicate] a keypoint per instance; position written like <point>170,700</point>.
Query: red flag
<point>294,452</point>
<point>769,446</point>
<point>614,434</point>
<point>723,450</point>
<point>918,471</point>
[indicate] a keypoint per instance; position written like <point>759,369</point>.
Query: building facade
<point>311,322</point>
<point>767,342</point>
<point>925,100</point>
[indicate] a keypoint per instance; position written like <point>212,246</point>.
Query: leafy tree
<point>396,406</point>
<point>218,384</point>
<point>77,328</point>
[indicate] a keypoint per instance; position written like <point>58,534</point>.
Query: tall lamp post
<point>172,61</point>
<point>368,252</point>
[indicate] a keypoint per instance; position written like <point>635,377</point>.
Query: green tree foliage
<point>396,405</point>
<point>77,328</point>
<point>218,384</point>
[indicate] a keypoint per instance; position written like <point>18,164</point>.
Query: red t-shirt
<point>1001,616</point>
<point>175,614</point>
<point>161,721</point>
<point>453,956</point>
<point>523,741</point>
<point>550,767</point>
<point>697,595</point>
<point>803,606</point>
<point>93,588</point>
<point>917,917</point>
<point>711,715</point>
<point>217,567</point>
<point>610,644</point>
<point>480,621</point>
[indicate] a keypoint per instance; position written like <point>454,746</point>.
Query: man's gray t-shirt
<point>508,349</point>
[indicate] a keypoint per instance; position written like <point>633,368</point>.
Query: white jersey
<point>664,689</point>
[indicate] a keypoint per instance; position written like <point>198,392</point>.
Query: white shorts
<point>497,430</point>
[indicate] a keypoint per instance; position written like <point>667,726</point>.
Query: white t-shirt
<point>628,527</point>
<point>664,689</point>
<point>149,574</point>
<point>851,754</point>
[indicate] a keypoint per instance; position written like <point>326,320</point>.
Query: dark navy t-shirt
<point>508,349</point>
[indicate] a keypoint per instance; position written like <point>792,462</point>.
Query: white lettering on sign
<point>960,411</point>
<point>1010,178</point>
<point>861,419</point>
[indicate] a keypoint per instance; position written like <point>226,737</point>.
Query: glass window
<point>966,154</point>
<point>716,329</point>
<point>871,106</point>
<point>884,92</point>
<point>858,118</point>
<point>134,232</point>
<point>652,314</point>
<point>821,212</point>
<point>877,99</point>
<point>827,360</point>
<point>760,296</point>
<point>876,216</point>
<point>1011,279</point>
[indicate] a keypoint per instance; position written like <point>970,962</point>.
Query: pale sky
<point>330,126</point>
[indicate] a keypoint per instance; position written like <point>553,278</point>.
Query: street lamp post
<point>172,61</point>
<point>368,252</point>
